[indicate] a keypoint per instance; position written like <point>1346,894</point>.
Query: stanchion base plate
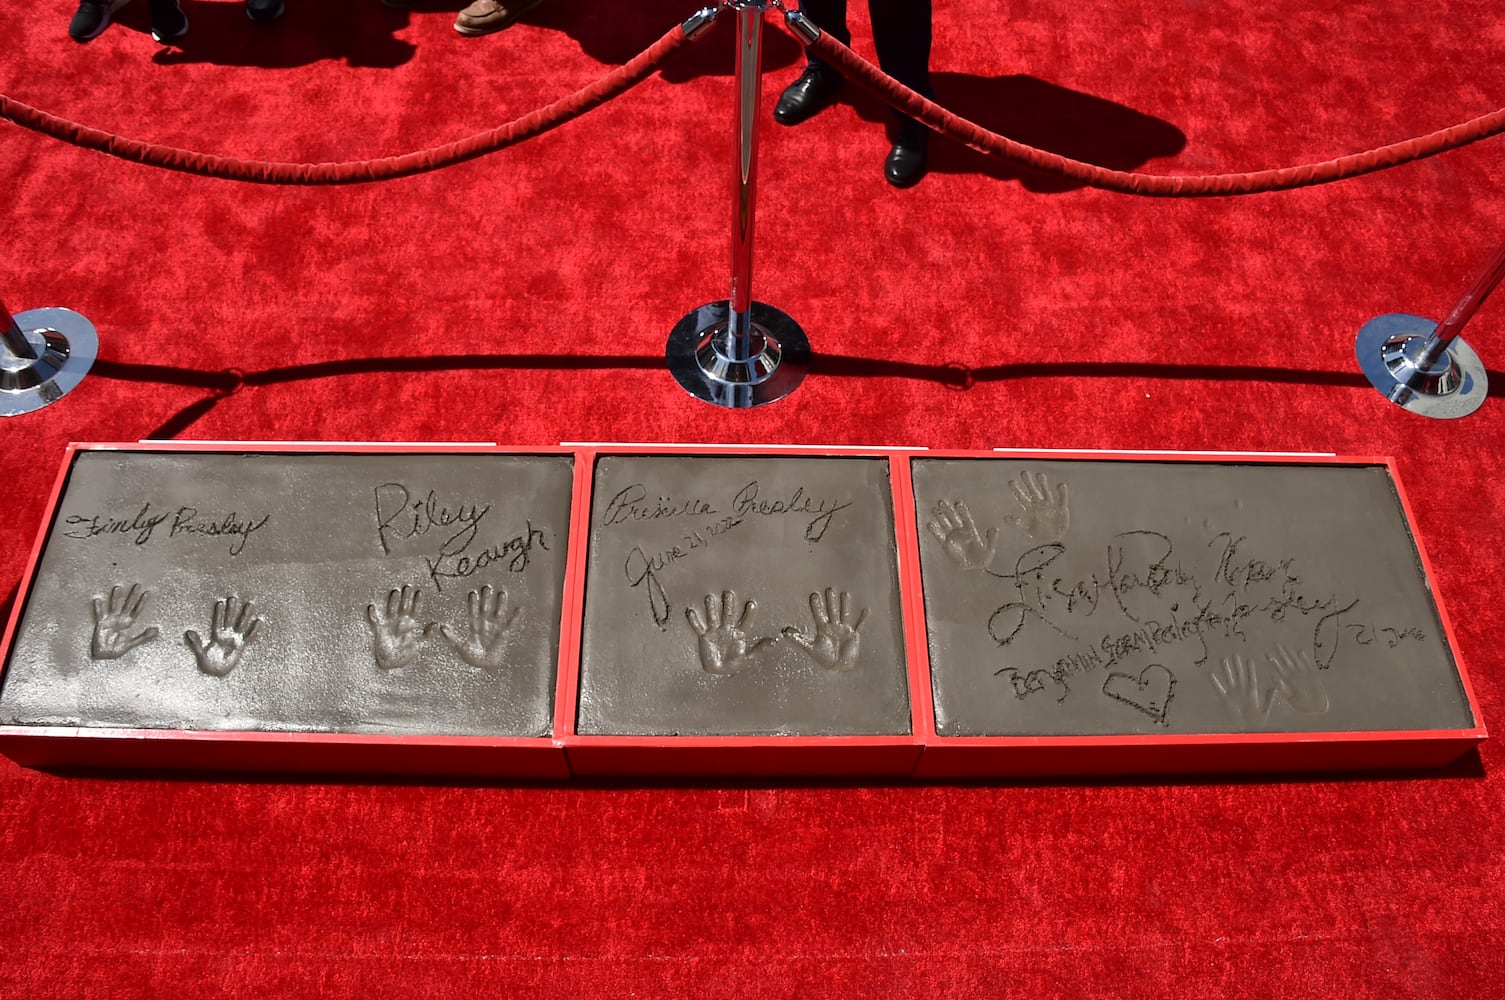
<point>66,345</point>
<point>1387,347</point>
<point>773,375</point>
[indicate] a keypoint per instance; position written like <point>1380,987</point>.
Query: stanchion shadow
<point>960,377</point>
<point>954,376</point>
<point>361,33</point>
<point>1040,114</point>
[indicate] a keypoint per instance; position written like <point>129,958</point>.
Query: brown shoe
<point>485,16</point>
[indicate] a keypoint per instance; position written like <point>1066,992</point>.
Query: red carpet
<point>525,298</point>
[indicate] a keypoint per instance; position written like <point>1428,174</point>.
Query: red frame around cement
<point>922,753</point>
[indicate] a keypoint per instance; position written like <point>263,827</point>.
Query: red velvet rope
<point>259,172</point>
<point>886,88</point>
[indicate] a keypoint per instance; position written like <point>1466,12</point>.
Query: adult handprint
<point>1297,681</point>
<point>954,526</point>
<point>724,647</point>
<point>1045,516</point>
<point>396,630</point>
<point>1239,686</point>
<point>114,618</point>
<point>486,646</point>
<point>836,640</point>
<point>227,639</point>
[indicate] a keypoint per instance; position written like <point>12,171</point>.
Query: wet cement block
<point>1103,598</point>
<point>374,593</point>
<point>742,596</point>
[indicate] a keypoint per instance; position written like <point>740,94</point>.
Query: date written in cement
<point>635,504</point>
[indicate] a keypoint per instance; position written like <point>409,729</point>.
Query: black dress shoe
<point>905,164</point>
<point>264,10</point>
<point>814,91</point>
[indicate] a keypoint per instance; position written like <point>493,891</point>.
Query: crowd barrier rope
<point>741,353</point>
<point>823,46</point>
<point>903,99</point>
<point>551,116</point>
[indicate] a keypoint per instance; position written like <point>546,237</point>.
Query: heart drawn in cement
<point>1150,692</point>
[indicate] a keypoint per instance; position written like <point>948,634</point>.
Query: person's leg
<point>92,18</point>
<point>902,36</point>
<point>485,16</point>
<point>830,16</point>
<point>168,21</point>
<point>816,88</point>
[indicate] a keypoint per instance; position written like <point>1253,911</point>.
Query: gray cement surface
<point>1102,597</point>
<point>743,596</point>
<point>328,593</point>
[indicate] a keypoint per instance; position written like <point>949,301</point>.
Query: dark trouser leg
<point>901,34</point>
<point>819,85</point>
<point>830,16</point>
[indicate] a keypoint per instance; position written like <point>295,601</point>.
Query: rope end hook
<point>804,29</point>
<point>699,22</point>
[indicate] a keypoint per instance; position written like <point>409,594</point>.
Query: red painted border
<point>568,698</point>
<point>912,593</point>
<point>23,593</point>
<point>1437,601</point>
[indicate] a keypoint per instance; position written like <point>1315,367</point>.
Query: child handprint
<point>486,646</point>
<point>395,631</point>
<point>114,618</point>
<point>227,641</point>
<point>1045,516</point>
<point>953,525</point>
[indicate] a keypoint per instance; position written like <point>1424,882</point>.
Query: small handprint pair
<point>397,632</point>
<point>1044,516</point>
<point>1293,676</point>
<point>726,648</point>
<point>232,627</point>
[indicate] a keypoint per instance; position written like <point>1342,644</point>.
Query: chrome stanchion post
<point>16,344</point>
<point>739,353</point>
<point>1425,367</point>
<point>44,353</point>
